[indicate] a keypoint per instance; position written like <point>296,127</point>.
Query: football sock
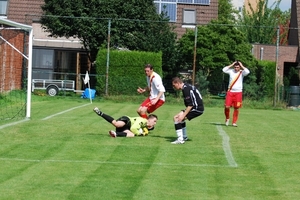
<point>178,128</point>
<point>121,134</point>
<point>184,133</point>
<point>107,117</point>
<point>235,115</point>
<point>227,112</point>
<point>144,116</point>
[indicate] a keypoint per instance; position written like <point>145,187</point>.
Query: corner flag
<point>86,78</point>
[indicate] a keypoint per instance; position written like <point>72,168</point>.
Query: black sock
<point>183,124</point>
<point>107,117</point>
<point>121,134</point>
<point>178,126</point>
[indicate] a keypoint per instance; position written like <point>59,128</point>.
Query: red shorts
<point>151,108</point>
<point>234,99</point>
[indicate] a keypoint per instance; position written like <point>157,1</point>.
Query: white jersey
<point>233,75</point>
<point>155,85</point>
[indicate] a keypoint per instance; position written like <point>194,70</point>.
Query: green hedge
<point>125,70</point>
<point>266,72</point>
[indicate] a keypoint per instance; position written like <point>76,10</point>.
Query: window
<point>204,2</point>
<point>42,63</point>
<point>170,10</point>
<point>3,7</point>
<point>185,1</point>
<point>189,16</point>
<point>170,7</point>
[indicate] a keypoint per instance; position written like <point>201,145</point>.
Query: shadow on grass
<point>99,134</point>
<point>216,123</point>
<point>167,138</point>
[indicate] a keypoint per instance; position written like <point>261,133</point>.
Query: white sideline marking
<point>109,162</point>
<point>64,111</point>
<point>14,123</point>
<point>226,146</point>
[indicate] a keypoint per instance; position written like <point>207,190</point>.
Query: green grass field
<point>64,152</point>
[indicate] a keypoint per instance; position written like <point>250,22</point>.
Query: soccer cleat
<point>178,141</point>
<point>112,133</point>
<point>97,111</point>
<point>234,124</point>
<point>185,138</point>
<point>227,122</point>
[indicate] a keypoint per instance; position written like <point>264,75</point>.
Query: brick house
<point>10,71</point>
<point>185,14</point>
<point>287,56</point>
<point>63,55</point>
<point>54,56</point>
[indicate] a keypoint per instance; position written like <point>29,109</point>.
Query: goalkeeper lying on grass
<point>129,126</point>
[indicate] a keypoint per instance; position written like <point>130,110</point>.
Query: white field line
<point>226,146</point>
<point>26,119</point>
<point>46,118</point>
<point>109,162</point>
<point>14,123</point>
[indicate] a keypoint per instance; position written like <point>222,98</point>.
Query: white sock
<point>184,132</point>
<point>179,134</point>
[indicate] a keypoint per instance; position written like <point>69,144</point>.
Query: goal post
<point>7,25</point>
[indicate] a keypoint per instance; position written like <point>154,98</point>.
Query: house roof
<point>24,11</point>
<point>15,24</point>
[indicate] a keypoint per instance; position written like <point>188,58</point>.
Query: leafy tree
<point>226,11</point>
<point>218,45</point>
<point>133,24</point>
<point>260,23</point>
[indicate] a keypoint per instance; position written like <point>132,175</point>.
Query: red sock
<point>235,115</point>
<point>227,112</point>
<point>144,116</point>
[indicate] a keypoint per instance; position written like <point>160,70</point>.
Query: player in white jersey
<point>156,91</point>
<point>234,93</point>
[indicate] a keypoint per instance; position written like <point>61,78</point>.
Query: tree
<point>260,24</point>
<point>133,24</point>
<point>226,11</point>
<point>218,45</point>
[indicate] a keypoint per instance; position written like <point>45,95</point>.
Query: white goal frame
<point>29,29</point>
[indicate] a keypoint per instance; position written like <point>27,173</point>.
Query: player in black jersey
<point>194,108</point>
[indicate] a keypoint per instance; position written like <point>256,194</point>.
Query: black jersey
<point>192,97</point>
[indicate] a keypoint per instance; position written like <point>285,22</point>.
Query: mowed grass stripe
<point>71,156</point>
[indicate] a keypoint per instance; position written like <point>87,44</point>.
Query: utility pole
<point>276,68</point>
<point>195,54</point>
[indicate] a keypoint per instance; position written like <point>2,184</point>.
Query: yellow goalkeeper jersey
<point>138,123</point>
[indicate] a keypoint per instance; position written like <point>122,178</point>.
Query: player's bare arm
<point>142,90</point>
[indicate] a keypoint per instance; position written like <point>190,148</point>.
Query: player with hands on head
<point>156,91</point>
<point>236,71</point>
<point>129,126</point>
<point>194,108</point>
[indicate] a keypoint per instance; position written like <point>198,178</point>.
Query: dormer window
<point>3,7</point>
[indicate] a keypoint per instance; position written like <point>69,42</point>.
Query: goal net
<point>15,66</point>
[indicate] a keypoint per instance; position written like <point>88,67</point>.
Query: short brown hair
<point>150,116</point>
<point>176,80</point>
<point>149,66</point>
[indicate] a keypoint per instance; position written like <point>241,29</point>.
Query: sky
<point>284,4</point>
